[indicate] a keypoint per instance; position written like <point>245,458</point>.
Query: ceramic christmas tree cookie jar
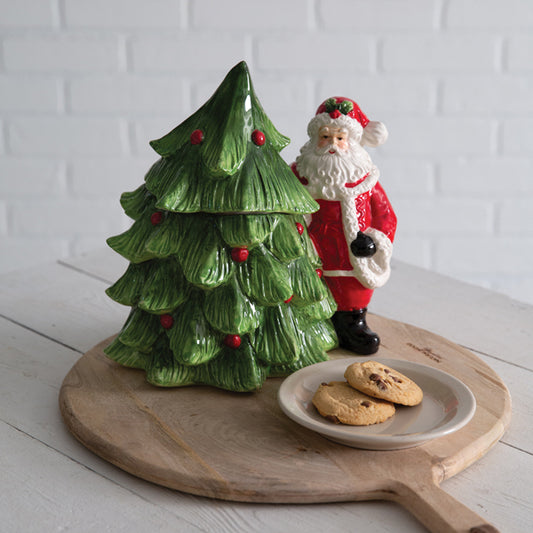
<point>224,284</point>
<point>354,228</point>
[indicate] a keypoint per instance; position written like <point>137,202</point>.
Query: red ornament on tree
<point>166,321</point>
<point>156,218</point>
<point>232,341</point>
<point>300,228</point>
<point>197,136</point>
<point>289,299</point>
<point>239,255</point>
<point>319,272</point>
<point>258,137</point>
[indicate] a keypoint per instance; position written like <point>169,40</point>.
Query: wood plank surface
<point>61,303</point>
<point>34,360</point>
<point>41,497</point>
<point>241,447</point>
<point>466,314</point>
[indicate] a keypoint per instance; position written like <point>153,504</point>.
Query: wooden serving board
<point>241,447</point>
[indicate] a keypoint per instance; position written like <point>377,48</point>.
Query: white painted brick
<point>316,52</point>
<point>65,136</point>
<point>438,136</point>
<point>26,178</point>
<point>504,255</point>
<point>3,148</point>
<point>202,90</point>
<point>494,96</point>
<point>294,126</point>
<point>440,217</point>
<point>372,16</point>
<point>28,94</point>
<point>3,218</point>
<point>130,14</point>
<point>518,136</point>
<point>107,178</point>
<point>26,14</point>
<point>27,252</point>
<point>188,51</point>
<point>63,218</point>
<point>404,177</point>
<point>516,217</point>
<point>59,53</point>
<point>284,94</point>
<point>120,94</point>
<point>492,177</point>
<point>431,53</point>
<point>520,53</point>
<point>466,175</point>
<point>250,15</point>
<point>412,250</point>
<point>480,14</point>
<point>146,130</point>
<point>384,95</point>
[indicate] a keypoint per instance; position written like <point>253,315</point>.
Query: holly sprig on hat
<point>344,107</point>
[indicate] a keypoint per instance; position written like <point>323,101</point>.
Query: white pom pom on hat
<point>374,134</point>
<point>339,110</point>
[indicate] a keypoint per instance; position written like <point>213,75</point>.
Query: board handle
<point>437,510</point>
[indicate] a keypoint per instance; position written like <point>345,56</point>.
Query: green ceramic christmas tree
<point>224,285</point>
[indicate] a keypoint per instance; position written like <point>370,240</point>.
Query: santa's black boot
<point>353,332</point>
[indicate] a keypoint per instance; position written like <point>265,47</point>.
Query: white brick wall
<point>85,85</point>
<point>519,56</point>
<point>61,53</point>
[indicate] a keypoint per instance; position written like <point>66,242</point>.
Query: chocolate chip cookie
<point>380,381</point>
<point>339,403</point>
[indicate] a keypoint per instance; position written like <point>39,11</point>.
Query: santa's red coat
<point>327,233</point>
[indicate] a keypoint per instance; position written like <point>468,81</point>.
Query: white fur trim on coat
<point>374,271</point>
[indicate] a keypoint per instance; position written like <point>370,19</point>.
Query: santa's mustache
<point>331,150</point>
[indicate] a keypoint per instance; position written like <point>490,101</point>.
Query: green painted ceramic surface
<point>217,252</point>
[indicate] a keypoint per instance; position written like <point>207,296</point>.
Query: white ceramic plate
<point>447,406</point>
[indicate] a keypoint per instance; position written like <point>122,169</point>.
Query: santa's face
<point>332,161</point>
<point>332,138</point>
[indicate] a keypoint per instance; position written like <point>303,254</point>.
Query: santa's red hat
<point>344,113</point>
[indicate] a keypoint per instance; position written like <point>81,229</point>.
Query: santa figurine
<point>354,228</point>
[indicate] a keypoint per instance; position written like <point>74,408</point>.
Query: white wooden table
<point>52,314</point>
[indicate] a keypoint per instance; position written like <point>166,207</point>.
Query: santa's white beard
<point>328,173</point>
